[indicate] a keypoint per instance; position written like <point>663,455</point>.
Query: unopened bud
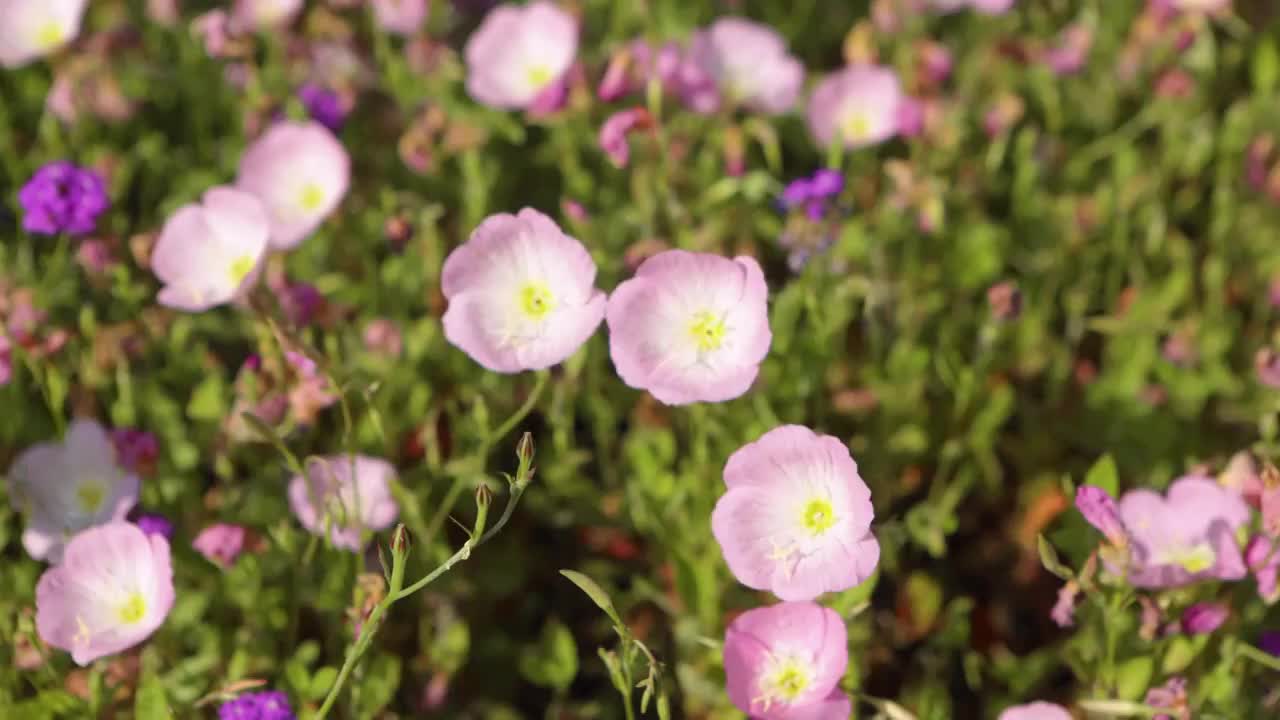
<point>524,449</point>
<point>484,496</point>
<point>401,541</point>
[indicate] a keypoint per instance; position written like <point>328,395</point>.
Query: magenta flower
<point>690,327</point>
<point>401,17</point>
<point>1039,710</point>
<point>66,487</point>
<point>264,14</point>
<point>268,705</point>
<point>112,590</point>
<point>856,107</point>
<point>521,293</point>
<point>613,134</point>
<point>1204,617</point>
<point>33,29</point>
<point>300,172</point>
<point>153,524</point>
<point>1185,536</point>
<point>323,105</point>
<point>739,62</point>
<point>796,519</point>
<point>220,543</point>
<point>989,7</point>
<point>785,661</point>
<point>1100,510</point>
<point>208,253</point>
<point>62,198</point>
<point>345,497</point>
<point>520,52</point>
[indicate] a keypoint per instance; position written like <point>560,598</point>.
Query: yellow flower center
<point>819,516</point>
<point>90,495</point>
<point>49,34</point>
<point>133,609</point>
<point>536,300</point>
<point>707,331</point>
<point>1196,559</point>
<point>538,76</point>
<point>785,682</point>
<point>240,267</point>
<point>311,197</point>
<point>856,126</point>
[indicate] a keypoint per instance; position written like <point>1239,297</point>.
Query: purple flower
<point>1184,536</point>
<point>269,705</point>
<point>797,193</point>
<point>1065,608</point>
<point>1205,617</point>
<point>323,105</point>
<point>1269,641</point>
<point>1100,510</point>
<point>136,450</point>
<point>62,197</point>
<point>827,183</point>
<point>153,524</point>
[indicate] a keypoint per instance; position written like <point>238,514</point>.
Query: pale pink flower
<point>989,7</point>
<point>1185,536</point>
<point>65,487</point>
<point>300,172</point>
<point>208,254</point>
<point>519,52</point>
<point>690,327</point>
<point>220,543</point>
<point>785,661</point>
<point>521,293</point>
<point>112,590</point>
<point>796,519</point>
<point>736,61</point>
<point>1263,558</point>
<point>856,107</point>
<point>402,17</point>
<point>1039,710</point>
<point>344,498</point>
<point>32,29</point>
<point>264,14</point>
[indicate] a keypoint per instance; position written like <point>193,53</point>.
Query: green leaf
<point>1133,677</point>
<point>321,681</point>
<point>553,661</point>
<point>1104,475</point>
<point>596,593</point>
<point>150,703</point>
<point>1049,558</point>
<point>1266,66</point>
<point>207,401</point>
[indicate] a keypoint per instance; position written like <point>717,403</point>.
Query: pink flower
<point>220,543</point>
<point>112,590</point>
<point>785,661</point>
<point>33,29</point>
<point>1039,710</point>
<point>1100,510</point>
<point>402,17</point>
<point>856,107</point>
<point>66,487</point>
<point>1205,617</point>
<point>613,134</point>
<point>739,62</point>
<point>635,66</point>
<point>381,336</point>
<point>796,519</point>
<point>1064,609</point>
<point>264,14</point>
<point>1263,558</point>
<point>1070,53</point>
<point>346,497</point>
<point>1185,536</point>
<point>518,52</point>
<point>521,293</point>
<point>208,253</point>
<point>690,327</point>
<point>989,7</point>
<point>300,172</point>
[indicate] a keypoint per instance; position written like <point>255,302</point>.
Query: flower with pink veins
<point>785,661</point>
<point>796,519</point>
<point>519,53</point>
<point>300,172</point>
<point>32,29</point>
<point>112,590</point>
<point>208,253</point>
<point>690,327</point>
<point>1186,535</point>
<point>856,107</point>
<point>521,293</point>
<point>739,62</point>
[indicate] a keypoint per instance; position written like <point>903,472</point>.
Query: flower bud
<point>524,449</point>
<point>401,541</point>
<point>1203,618</point>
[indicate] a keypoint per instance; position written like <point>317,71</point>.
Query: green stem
<point>1258,656</point>
<point>542,377</point>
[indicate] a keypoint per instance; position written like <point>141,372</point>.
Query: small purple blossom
<point>269,705</point>
<point>1171,696</point>
<point>1269,642</point>
<point>1263,559</point>
<point>62,197</point>
<point>136,450</point>
<point>323,105</point>
<point>1205,617</point>
<point>613,134</point>
<point>153,524</point>
<point>1064,609</point>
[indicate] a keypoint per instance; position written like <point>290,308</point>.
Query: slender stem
<point>1258,656</point>
<point>518,415</point>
